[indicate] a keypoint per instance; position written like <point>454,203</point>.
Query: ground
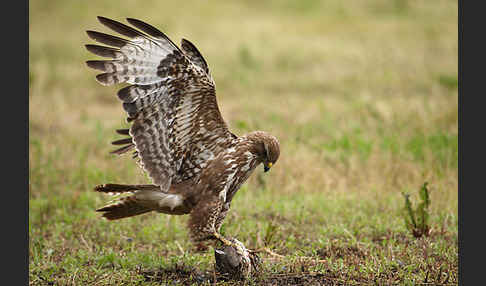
<point>362,97</point>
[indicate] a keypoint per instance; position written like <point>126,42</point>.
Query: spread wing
<point>171,102</point>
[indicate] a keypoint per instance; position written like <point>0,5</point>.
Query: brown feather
<point>119,188</point>
<point>98,65</point>
<point>107,39</point>
<point>123,149</point>
<point>102,51</point>
<point>194,55</point>
<point>120,28</point>
<point>149,29</point>
<point>122,141</point>
<point>126,207</point>
<point>122,131</point>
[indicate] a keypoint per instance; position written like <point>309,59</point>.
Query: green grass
<point>362,97</point>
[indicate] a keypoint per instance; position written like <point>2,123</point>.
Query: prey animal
<point>177,133</point>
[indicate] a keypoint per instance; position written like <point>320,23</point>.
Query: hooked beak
<point>267,167</point>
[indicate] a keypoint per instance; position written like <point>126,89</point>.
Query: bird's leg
<point>223,240</point>
<point>219,221</point>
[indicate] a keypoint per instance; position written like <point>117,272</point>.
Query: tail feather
<point>125,207</point>
<point>118,188</point>
<point>144,198</point>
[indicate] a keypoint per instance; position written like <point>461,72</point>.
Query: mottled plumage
<point>177,133</point>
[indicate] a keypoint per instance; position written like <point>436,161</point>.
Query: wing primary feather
<point>131,109</point>
<point>107,39</point>
<point>110,78</point>
<point>151,30</point>
<point>123,131</point>
<point>97,65</point>
<point>102,51</point>
<point>122,141</point>
<point>120,28</point>
<point>125,94</point>
<point>147,28</point>
<point>194,54</point>
<point>130,119</point>
<point>123,149</point>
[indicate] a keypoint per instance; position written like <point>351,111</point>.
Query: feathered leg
<point>202,223</point>
<point>222,214</point>
<point>233,258</point>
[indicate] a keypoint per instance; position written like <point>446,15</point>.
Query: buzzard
<point>177,133</point>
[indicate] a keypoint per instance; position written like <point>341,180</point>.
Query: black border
<point>471,122</point>
<point>21,188</point>
<point>15,135</point>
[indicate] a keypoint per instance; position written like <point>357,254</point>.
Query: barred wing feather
<point>171,102</point>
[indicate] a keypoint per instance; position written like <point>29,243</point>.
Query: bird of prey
<point>177,133</point>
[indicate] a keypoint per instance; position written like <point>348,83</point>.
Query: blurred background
<point>362,96</point>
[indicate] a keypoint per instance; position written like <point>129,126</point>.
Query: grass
<point>362,97</point>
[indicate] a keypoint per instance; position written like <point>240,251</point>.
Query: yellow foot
<point>222,239</point>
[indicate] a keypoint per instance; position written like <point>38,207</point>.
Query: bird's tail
<point>143,199</point>
<point>126,206</point>
<point>118,188</point>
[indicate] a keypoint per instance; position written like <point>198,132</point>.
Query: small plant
<point>270,234</point>
<point>417,220</point>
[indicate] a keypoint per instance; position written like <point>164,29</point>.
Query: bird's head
<point>267,148</point>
